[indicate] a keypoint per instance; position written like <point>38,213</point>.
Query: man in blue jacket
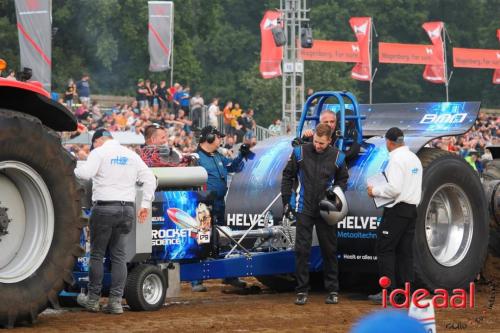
<point>218,166</point>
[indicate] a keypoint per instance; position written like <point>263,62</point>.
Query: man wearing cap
<point>395,233</point>
<point>114,171</point>
<point>314,167</point>
<point>217,167</point>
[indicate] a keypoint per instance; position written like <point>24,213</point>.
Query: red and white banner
<point>430,55</point>
<point>340,51</point>
<point>479,58</point>
<point>160,27</point>
<point>496,73</point>
<point>35,38</point>
<point>362,27</point>
<point>476,58</point>
<point>435,73</point>
<point>270,54</point>
<point>416,54</point>
<point>326,50</point>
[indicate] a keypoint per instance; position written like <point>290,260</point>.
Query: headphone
<point>210,137</point>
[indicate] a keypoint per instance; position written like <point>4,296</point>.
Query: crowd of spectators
<point>180,113</point>
<point>473,145</point>
<point>172,107</point>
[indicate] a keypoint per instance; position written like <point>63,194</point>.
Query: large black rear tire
<point>491,183</point>
<point>450,253</point>
<point>27,145</point>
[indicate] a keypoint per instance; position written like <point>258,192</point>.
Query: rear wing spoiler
<point>430,120</point>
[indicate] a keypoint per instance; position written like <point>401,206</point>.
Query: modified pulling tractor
<point>41,207</point>
<point>255,240</point>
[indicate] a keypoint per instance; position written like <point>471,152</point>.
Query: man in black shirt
<point>141,94</point>
<point>247,126</point>
<point>162,95</point>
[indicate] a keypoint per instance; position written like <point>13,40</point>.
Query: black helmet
<point>333,208</point>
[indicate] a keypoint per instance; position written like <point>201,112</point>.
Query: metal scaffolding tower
<point>294,14</point>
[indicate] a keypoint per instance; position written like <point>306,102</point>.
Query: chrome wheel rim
<point>31,213</point>
<point>152,289</point>
<point>449,225</point>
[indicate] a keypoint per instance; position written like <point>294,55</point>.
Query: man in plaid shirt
<point>155,153</point>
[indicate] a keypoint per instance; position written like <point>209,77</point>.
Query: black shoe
<point>376,298</point>
<point>333,298</point>
<point>301,299</point>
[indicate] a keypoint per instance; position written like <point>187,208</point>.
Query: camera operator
<point>218,167</point>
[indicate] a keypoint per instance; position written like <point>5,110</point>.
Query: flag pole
<point>372,27</point>
<point>447,81</point>
<point>371,83</point>
<point>172,47</point>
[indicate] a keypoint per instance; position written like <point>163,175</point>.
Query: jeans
<point>109,226</point>
<point>249,135</point>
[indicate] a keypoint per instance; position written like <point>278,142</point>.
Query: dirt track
<point>222,310</point>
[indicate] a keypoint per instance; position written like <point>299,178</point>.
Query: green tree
<point>217,47</point>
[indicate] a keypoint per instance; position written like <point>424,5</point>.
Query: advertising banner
<point>416,54</point>
<point>325,50</point>
<point>270,54</point>
<point>362,27</point>
<point>160,29</point>
<point>479,58</point>
<point>35,37</point>
<point>476,58</point>
<point>435,73</point>
<point>182,225</point>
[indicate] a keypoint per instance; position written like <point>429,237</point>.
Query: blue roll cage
<point>321,97</point>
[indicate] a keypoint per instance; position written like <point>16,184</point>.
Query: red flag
<point>270,54</point>
<point>362,27</point>
<point>327,50</point>
<point>435,73</point>
<point>496,73</point>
